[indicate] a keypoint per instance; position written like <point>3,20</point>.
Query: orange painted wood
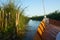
<point>49,32</point>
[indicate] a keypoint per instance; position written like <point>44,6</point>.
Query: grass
<point>9,32</point>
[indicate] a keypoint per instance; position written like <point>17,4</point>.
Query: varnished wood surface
<point>49,32</point>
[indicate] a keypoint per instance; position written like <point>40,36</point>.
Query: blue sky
<point>35,7</point>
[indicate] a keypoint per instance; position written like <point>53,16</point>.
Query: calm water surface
<point>32,28</point>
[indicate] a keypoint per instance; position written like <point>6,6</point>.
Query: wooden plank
<point>49,32</point>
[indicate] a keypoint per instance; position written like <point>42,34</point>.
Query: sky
<point>35,7</point>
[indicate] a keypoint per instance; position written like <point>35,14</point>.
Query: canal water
<point>32,28</point>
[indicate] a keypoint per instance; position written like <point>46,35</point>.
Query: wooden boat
<point>48,30</point>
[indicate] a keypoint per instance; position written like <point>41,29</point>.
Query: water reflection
<point>31,27</point>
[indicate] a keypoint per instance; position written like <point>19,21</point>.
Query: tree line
<point>54,15</point>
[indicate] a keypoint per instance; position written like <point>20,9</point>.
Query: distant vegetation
<point>37,18</point>
<point>54,15</point>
